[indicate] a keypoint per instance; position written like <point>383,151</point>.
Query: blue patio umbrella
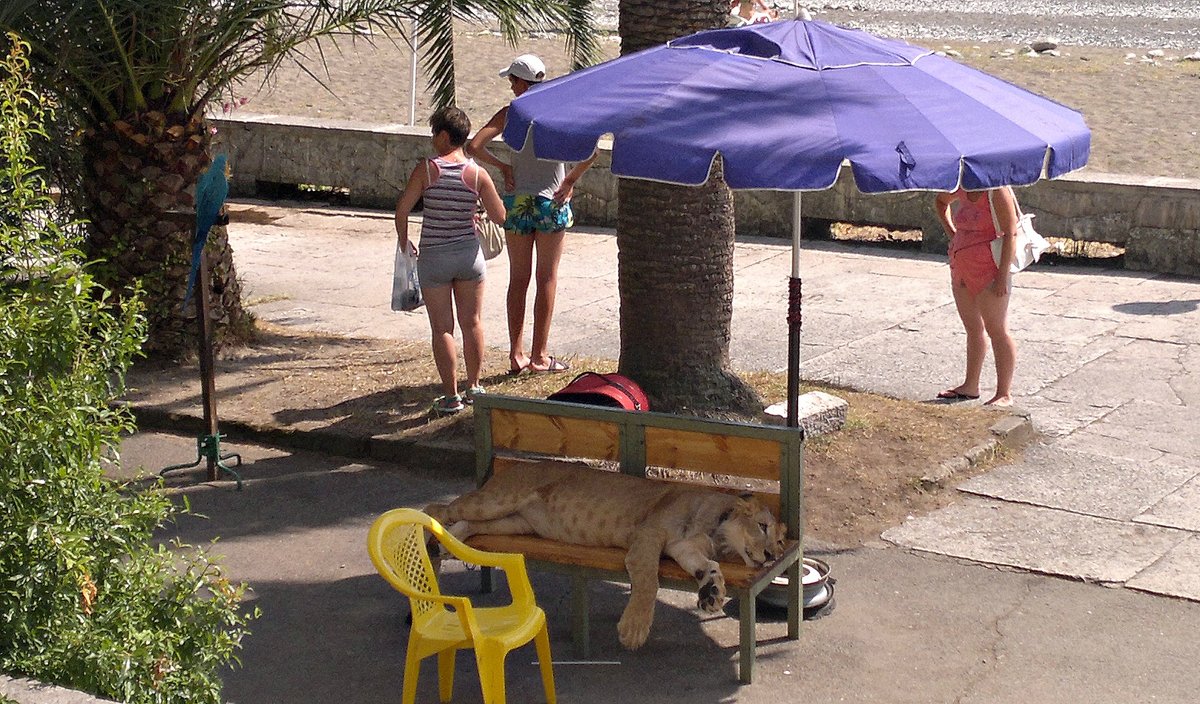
<point>785,104</point>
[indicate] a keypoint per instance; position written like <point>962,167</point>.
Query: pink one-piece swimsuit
<point>971,262</point>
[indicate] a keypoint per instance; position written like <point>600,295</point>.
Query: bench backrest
<point>637,440</point>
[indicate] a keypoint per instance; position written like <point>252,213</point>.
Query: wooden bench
<point>770,457</point>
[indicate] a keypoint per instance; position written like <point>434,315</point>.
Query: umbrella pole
<point>794,321</point>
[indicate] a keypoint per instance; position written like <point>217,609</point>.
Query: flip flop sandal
<point>956,395</point>
<point>556,365</point>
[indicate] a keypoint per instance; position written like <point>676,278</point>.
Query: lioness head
<point>751,532</point>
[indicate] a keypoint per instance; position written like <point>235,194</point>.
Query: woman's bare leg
<point>549,247</point>
<point>520,269</point>
<point>468,297</point>
<point>994,312</point>
<point>439,306</point>
<point>972,320</point>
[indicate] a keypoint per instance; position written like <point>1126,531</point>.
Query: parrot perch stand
<point>208,447</point>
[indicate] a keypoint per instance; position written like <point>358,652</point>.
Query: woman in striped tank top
<point>450,263</point>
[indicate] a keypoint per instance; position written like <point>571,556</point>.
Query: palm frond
<point>112,58</point>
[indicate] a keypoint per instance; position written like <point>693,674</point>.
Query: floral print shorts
<point>530,214</point>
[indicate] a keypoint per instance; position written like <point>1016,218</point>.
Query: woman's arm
<point>406,201</point>
<point>1005,208</point>
<point>567,188</point>
<point>941,208</point>
<point>488,195</point>
<point>478,146</point>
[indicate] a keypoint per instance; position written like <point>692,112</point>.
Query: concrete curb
<point>1010,432</point>
<point>458,458</point>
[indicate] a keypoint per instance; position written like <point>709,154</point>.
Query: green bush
<point>88,598</point>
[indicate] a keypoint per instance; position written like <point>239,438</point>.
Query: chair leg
<point>545,662</point>
<point>446,674</point>
<point>491,674</point>
<point>412,668</point>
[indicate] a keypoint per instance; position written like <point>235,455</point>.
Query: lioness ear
<point>746,504</point>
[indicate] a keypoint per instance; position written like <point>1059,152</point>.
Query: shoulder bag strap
<point>1016,203</point>
<point>622,389</point>
<point>428,175</point>
<point>992,208</point>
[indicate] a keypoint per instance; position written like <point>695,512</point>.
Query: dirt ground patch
<point>858,481</point>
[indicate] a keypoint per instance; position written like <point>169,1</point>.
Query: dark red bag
<point>611,390</point>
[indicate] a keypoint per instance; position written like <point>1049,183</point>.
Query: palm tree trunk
<point>139,188</point>
<point>675,257</point>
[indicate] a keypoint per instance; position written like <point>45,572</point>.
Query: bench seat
<point>737,575</point>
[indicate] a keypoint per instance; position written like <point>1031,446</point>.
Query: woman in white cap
<point>538,201</point>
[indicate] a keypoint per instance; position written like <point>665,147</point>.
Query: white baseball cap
<point>527,67</point>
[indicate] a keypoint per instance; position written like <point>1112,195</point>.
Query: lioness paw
<point>633,630</point>
<point>711,595</point>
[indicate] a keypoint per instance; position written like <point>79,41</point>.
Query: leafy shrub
<point>88,598</point>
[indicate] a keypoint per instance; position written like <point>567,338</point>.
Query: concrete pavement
<point>1111,494</point>
<point>906,628</point>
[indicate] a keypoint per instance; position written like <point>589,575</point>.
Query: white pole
<point>412,74</point>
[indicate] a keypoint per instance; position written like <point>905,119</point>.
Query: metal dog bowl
<point>818,587</point>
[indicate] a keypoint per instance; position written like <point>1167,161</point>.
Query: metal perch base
<point>208,447</point>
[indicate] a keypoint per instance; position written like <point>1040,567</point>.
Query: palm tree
<point>676,266</point>
<point>135,78</point>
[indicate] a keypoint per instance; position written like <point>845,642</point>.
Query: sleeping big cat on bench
<point>695,526</point>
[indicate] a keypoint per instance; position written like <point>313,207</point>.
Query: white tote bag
<point>406,289</point>
<point>490,234</point>
<point>1030,244</point>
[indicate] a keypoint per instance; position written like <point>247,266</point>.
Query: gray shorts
<point>446,263</point>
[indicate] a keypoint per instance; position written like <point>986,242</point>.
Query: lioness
<point>692,525</point>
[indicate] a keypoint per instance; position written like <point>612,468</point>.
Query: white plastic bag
<point>406,289</point>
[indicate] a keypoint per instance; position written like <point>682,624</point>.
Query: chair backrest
<point>397,544</point>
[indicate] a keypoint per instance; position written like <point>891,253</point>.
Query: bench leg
<point>580,631</point>
<point>487,581</point>
<point>748,607</point>
<point>795,609</point>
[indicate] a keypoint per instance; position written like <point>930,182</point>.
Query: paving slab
<point>1095,442</point>
<point>1179,509</point>
<point>1081,482</point>
<point>1039,539</point>
<point>1174,574</point>
<point>1169,427</point>
<point>1125,371</point>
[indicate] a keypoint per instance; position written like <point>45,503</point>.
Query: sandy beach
<point>1142,110</point>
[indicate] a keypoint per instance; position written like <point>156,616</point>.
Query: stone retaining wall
<point>1156,220</point>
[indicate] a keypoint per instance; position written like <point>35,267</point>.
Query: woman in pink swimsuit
<point>980,290</point>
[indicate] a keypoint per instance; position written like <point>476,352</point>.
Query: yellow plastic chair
<point>442,625</point>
